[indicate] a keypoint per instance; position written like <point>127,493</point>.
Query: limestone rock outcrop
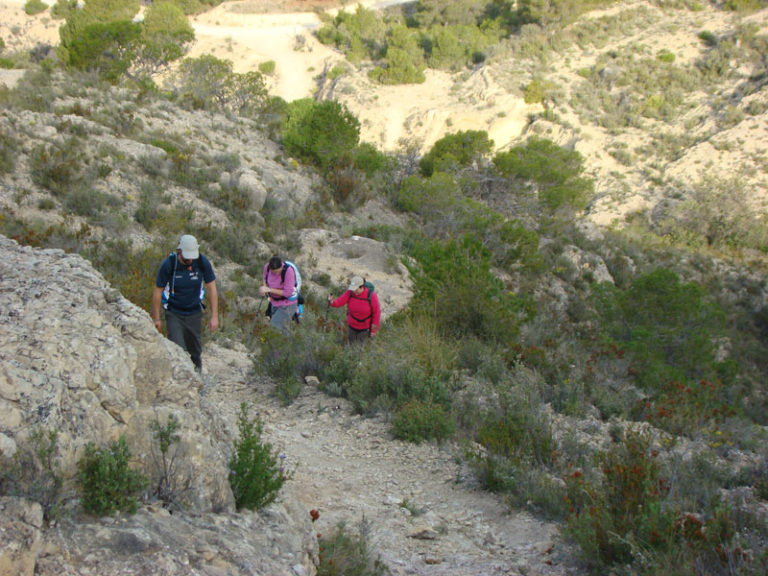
<point>79,359</point>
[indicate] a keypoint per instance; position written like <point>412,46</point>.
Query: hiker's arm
<point>340,301</point>
<point>375,313</point>
<point>213,298</point>
<point>157,295</point>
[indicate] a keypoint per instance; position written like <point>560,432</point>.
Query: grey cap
<point>355,283</point>
<point>189,247</point>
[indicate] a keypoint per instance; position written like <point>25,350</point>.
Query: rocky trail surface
<point>424,515</point>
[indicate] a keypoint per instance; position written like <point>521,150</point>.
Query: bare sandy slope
<point>391,116</point>
<point>252,32</point>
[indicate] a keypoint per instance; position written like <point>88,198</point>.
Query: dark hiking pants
<point>186,330</point>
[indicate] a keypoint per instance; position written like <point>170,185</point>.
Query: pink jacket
<point>361,313</point>
<point>275,280</point>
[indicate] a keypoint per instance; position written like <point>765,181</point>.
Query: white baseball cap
<point>189,247</point>
<point>355,283</point>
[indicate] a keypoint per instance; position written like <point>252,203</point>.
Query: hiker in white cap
<point>363,310</point>
<point>182,282</point>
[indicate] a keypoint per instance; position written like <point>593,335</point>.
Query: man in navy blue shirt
<point>182,282</point>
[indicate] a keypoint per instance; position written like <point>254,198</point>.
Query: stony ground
<point>425,515</point>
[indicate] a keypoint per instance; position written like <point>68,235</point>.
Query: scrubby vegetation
<point>521,325</point>
<point>108,482</point>
<point>256,472</point>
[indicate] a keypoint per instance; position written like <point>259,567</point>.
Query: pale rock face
<point>78,358</point>
<point>250,183</point>
<point>20,525</point>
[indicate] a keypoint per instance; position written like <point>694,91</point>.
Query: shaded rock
<point>20,525</point>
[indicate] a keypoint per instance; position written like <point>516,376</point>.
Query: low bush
<point>169,481</point>
<point>320,132</point>
<point>455,151</point>
<point>267,67</point>
<point>33,472</point>
<point>8,151</point>
<point>256,471</point>
<point>108,483</point>
<point>418,420</point>
<point>343,553</point>
<point>33,7</point>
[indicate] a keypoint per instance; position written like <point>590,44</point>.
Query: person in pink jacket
<point>363,310</point>
<point>280,287</point>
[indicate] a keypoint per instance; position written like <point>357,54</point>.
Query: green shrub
<point>102,47</point>
<point>169,483</point>
<point>165,36</point>
<point>267,67</point>
<point>256,474</point>
<point>455,151</point>
<point>666,56</point>
<point>621,515</point>
<point>518,434</point>
<point>320,132</point>
<point>289,360</point>
<point>537,90</point>
<point>359,34</point>
<point>417,421</point>
<point>709,38</point>
<point>58,167</point>
<point>33,7</point>
<point>668,328</point>
<point>8,152</point>
<point>34,473</point>
<point>336,71</point>
<point>208,83</point>
<point>108,484</point>
<point>347,554</point>
<point>626,516</point>
<point>447,278</point>
<point>555,170</point>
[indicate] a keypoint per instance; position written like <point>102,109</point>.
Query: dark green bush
<point>105,47</point>
<point>320,132</point>
<point>709,38</point>
<point>108,484</point>
<point>33,7</point>
<point>8,152</point>
<point>449,275</point>
<point>417,421</point>
<point>555,170</point>
<point>455,151</point>
<point>518,435</point>
<point>537,90</point>
<point>667,326</point>
<point>359,34</point>
<point>256,474</point>
<point>165,36</point>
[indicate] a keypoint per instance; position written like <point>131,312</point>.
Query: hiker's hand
<point>159,325</point>
<point>330,298</point>
<point>213,324</point>
<point>264,290</point>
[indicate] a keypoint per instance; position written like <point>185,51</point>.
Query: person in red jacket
<point>363,310</point>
